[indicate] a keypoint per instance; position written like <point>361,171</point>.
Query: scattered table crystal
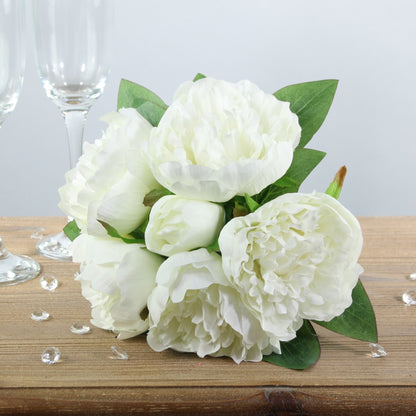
<point>409,297</point>
<point>377,351</point>
<point>412,276</point>
<point>49,282</point>
<point>38,234</point>
<point>118,353</point>
<point>51,355</point>
<point>40,315</point>
<point>80,329</point>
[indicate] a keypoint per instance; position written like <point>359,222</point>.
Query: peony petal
<point>111,178</point>
<point>193,309</point>
<point>294,258</point>
<point>136,278</point>
<point>88,249</point>
<point>219,139</point>
<point>117,286</point>
<point>122,206</point>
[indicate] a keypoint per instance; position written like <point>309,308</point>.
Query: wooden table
<point>346,380</point>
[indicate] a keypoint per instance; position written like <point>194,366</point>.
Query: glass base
<point>16,269</point>
<point>55,247</point>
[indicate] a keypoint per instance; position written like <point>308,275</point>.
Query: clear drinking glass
<point>13,269</point>
<point>73,42</point>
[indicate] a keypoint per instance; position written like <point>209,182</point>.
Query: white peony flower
<point>116,278</point>
<point>219,139</point>
<point>194,309</point>
<point>179,224</point>
<point>294,258</point>
<point>111,179</point>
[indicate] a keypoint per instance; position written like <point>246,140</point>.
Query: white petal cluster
<point>111,178</point>
<point>220,139</point>
<point>294,258</point>
<point>116,278</point>
<point>179,224</point>
<point>194,309</point>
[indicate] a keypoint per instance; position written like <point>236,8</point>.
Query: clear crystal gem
<point>38,233</point>
<point>409,297</point>
<point>49,282</point>
<point>51,355</point>
<point>377,351</point>
<point>118,353</point>
<point>412,276</point>
<point>40,315</point>
<point>80,329</point>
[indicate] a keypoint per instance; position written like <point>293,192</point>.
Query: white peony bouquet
<point>189,224</point>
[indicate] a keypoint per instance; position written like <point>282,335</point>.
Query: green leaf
<point>129,92</point>
<point>72,230</point>
<point>235,207</point>
<point>304,161</point>
<point>147,103</point>
<point>240,207</point>
<point>153,196</point>
<point>251,203</point>
<point>138,233</point>
<point>214,246</point>
<point>283,186</point>
<point>198,76</point>
<point>151,112</point>
<point>311,102</point>
<point>358,321</point>
<point>299,353</point>
<point>112,232</point>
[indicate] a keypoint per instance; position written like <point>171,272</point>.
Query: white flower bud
<point>179,224</point>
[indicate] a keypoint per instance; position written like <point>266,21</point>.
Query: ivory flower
<point>111,179</point>
<point>194,309</point>
<point>116,278</point>
<point>220,139</point>
<point>179,224</point>
<point>294,258</point>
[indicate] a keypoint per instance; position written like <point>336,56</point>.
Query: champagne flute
<point>72,39</point>
<point>13,269</point>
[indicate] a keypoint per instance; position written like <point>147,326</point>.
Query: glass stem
<point>75,122</point>
<point>3,252</point>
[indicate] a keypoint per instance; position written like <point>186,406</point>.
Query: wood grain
<point>86,381</point>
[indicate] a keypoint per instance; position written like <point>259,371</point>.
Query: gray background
<point>368,45</point>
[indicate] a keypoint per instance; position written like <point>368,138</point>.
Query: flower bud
<point>179,224</point>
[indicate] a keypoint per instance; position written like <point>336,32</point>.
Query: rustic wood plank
<point>344,378</point>
<point>207,401</point>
